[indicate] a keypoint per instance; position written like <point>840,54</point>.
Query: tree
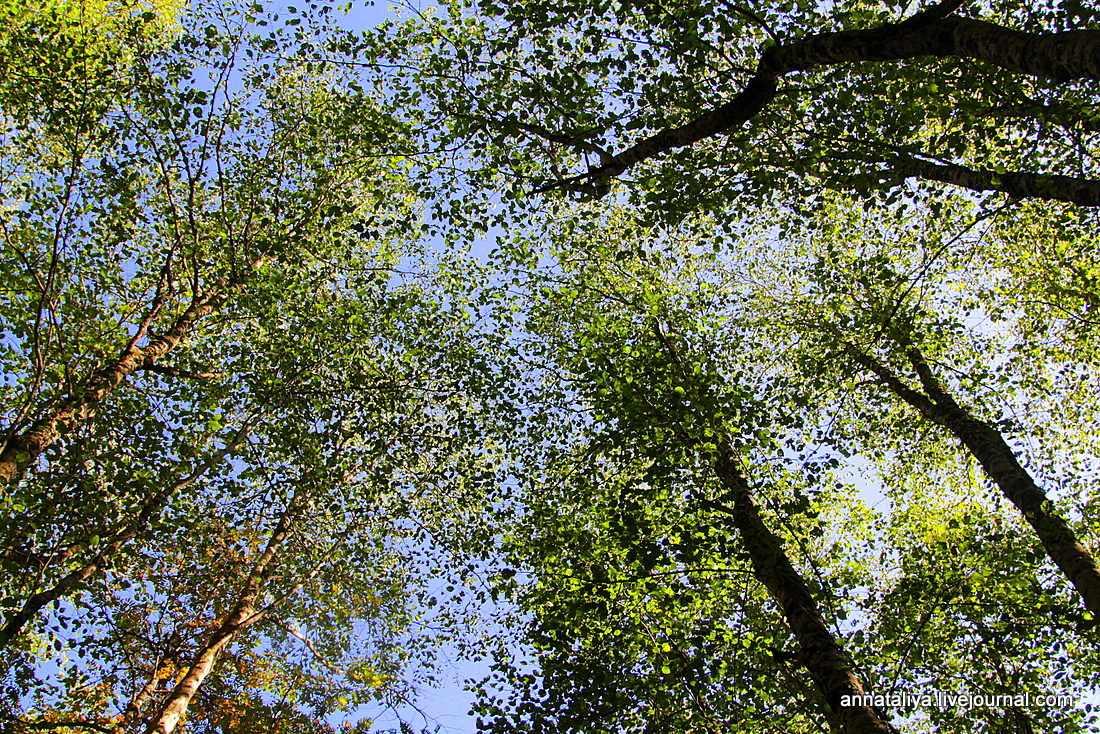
<point>665,429</point>
<point>363,480</point>
<point>705,104</point>
<point>730,110</point>
<point>890,280</point>
<point>692,369</point>
<point>874,304</point>
<point>156,225</point>
<point>249,413</point>
<point>208,323</point>
<point>64,61</point>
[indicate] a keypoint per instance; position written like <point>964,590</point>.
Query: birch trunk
<point>244,614</point>
<point>24,449</point>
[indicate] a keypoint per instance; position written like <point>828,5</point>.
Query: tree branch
<point>137,525</point>
<point>1061,57</point>
<point>176,372</point>
<point>1063,116</point>
<point>1083,191</point>
<point>291,629</point>
<point>81,403</point>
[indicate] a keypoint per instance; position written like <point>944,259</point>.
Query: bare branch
<point>308,643</point>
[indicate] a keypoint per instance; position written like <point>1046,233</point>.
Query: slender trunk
<point>987,445</point>
<point>133,709</point>
<point>138,525</point>
<point>200,668</point>
<point>818,649</point>
<point>244,614</point>
<point>24,449</point>
<point>1058,56</point>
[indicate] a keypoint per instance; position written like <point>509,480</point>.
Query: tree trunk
<point>987,445</point>
<point>23,450</point>
<point>133,708</point>
<point>818,650</point>
<point>244,614</point>
<point>200,668</point>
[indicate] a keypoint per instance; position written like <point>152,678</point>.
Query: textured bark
<point>1085,192</point>
<point>818,649</point>
<point>24,449</point>
<point>243,615</point>
<point>987,445</point>
<point>200,668</point>
<point>133,529</point>
<point>1058,56</point>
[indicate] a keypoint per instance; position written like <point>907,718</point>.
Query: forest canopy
<point>704,367</point>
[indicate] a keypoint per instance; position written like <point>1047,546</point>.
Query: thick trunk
<point>987,445</point>
<point>818,649</point>
<point>1058,56</point>
<point>23,450</point>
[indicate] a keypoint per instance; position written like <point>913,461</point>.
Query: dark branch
<point>1062,116</point>
<point>933,33</point>
<point>1083,191</point>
